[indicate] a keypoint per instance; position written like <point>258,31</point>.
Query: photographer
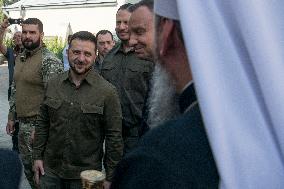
<point>10,53</point>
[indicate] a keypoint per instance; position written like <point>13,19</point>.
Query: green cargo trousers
<point>51,181</point>
<point>25,149</point>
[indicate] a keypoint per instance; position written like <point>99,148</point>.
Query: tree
<point>1,12</point>
<point>8,2</point>
<point>5,3</point>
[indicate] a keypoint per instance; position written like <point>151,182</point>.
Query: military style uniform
<point>73,124</point>
<point>98,64</point>
<point>131,77</point>
<point>32,71</point>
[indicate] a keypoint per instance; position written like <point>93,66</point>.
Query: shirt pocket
<point>137,77</point>
<point>92,114</point>
<point>53,107</point>
<point>109,72</point>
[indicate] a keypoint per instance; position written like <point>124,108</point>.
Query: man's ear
<point>41,35</point>
<point>167,38</point>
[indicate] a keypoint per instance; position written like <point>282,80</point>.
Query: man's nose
<point>81,57</point>
<point>106,46</point>
<point>123,26</point>
<point>28,35</point>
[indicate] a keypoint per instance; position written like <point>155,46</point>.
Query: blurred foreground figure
<point>10,169</point>
<point>236,55</point>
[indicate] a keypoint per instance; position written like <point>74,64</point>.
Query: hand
<point>10,127</point>
<point>5,24</point>
<point>32,136</point>
<point>38,169</point>
<point>106,184</point>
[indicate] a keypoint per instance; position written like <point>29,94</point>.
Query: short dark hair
<point>84,36</point>
<point>125,6</point>
<point>34,21</point>
<point>147,3</point>
<point>103,32</point>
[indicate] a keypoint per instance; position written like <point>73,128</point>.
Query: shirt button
<point>71,103</point>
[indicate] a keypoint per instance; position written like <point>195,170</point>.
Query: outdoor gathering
<point>141,94</point>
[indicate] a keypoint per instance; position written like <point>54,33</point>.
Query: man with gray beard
<point>163,100</point>
<point>177,153</point>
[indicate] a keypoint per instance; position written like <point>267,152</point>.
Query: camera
<point>15,21</point>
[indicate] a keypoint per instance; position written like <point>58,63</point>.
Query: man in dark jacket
<point>131,77</point>
<point>176,153</point>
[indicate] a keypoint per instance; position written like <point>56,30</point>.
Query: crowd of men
<point>69,110</point>
<point>127,108</point>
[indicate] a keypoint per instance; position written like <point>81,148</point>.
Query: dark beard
<point>72,67</point>
<point>32,46</point>
<point>163,100</point>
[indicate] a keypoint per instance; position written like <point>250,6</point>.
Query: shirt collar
<point>90,78</point>
<point>187,97</point>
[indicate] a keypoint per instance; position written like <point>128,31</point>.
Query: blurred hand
<point>106,184</point>
<point>32,136</point>
<point>39,170</point>
<point>5,23</point>
<point>10,127</point>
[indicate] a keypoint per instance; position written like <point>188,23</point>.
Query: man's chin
<point>140,55</point>
<point>30,47</point>
<point>143,56</point>
<point>80,71</point>
<point>124,37</point>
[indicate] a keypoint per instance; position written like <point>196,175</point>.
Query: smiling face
<point>81,56</point>
<point>141,28</point>
<point>122,18</point>
<point>31,36</point>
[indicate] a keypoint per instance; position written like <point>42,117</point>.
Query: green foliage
<point>1,12</point>
<point>8,42</point>
<point>55,45</point>
<point>8,2</point>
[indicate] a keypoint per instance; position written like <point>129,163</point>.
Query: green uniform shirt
<point>32,71</point>
<point>131,77</point>
<point>73,124</point>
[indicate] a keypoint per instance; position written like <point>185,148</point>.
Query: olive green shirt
<point>73,124</point>
<point>131,77</point>
<point>32,71</point>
